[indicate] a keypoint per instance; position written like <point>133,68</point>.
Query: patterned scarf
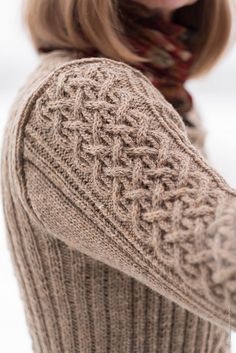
<point>167,46</point>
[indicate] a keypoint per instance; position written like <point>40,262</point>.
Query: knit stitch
<point>122,235</point>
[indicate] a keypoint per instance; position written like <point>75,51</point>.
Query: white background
<point>215,96</point>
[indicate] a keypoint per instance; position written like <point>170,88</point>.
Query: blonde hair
<point>85,24</point>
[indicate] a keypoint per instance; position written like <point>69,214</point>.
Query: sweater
<point>122,236</point>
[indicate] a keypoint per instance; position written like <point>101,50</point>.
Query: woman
<point>122,235</point>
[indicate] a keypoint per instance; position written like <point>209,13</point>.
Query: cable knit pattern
<point>100,130</point>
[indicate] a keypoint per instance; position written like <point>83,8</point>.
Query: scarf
<point>166,45</point>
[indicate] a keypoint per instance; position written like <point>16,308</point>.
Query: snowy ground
<point>216,100</point>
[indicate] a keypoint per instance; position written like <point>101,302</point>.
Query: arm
<point>109,170</point>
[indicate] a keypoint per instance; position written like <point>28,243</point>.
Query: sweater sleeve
<point>108,169</point>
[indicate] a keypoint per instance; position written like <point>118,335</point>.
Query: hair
<point>85,24</point>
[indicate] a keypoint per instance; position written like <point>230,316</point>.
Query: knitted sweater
<point>123,237</point>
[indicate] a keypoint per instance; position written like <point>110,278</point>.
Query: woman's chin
<point>166,4</point>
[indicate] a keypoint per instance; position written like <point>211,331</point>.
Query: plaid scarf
<point>167,46</point>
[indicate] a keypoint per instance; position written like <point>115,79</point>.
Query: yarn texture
<point>123,237</point>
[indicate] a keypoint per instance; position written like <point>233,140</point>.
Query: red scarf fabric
<point>167,46</point>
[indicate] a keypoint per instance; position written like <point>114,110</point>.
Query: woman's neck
<point>166,14</point>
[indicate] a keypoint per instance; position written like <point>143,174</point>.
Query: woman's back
<point>77,215</point>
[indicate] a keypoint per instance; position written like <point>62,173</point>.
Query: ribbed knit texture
<point>123,238</point>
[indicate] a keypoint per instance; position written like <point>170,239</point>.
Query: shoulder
<point>97,75</point>
<point>87,115</point>
<point>96,84</point>
<point>100,71</point>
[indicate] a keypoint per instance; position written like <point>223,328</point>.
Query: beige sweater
<point>122,236</point>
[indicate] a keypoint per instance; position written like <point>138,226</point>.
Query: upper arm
<point>109,169</point>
